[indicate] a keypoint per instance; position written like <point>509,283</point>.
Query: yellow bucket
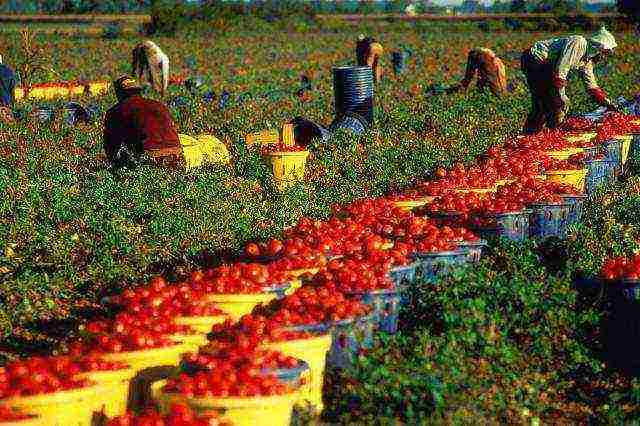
<point>190,341</point>
<point>584,137</point>
<point>296,273</point>
<point>287,167</point>
<point>99,87</point>
<point>408,205</point>
<point>112,390</point>
<point>65,408</point>
<point>237,305</point>
<point>76,90</point>
<point>140,360</point>
<point>502,182</point>
<point>475,190</point>
<point>201,324</point>
<point>249,411</point>
<point>202,150</point>
<point>265,137</point>
<point>33,421</point>
<point>564,154</point>
<point>314,352</point>
<point>18,93</point>
<point>575,178</point>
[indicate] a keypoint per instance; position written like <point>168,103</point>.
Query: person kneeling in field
<point>369,53</point>
<point>547,65</point>
<point>490,69</point>
<point>136,125</point>
<point>151,63</point>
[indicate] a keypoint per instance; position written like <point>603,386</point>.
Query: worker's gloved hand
<point>599,96</point>
<point>612,106</point>
<point>558,82</point>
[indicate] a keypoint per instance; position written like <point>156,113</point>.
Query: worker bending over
<point>490,69</point>
<point>369,53</point>
<point>547,65</point>
<point>151,64</point>
<point>136,125</point>
<point>7,88</point>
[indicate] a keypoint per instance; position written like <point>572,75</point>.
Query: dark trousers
<point>546,103</point>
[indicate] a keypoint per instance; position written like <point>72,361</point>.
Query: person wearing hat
<point>151,63</point>
<point>369,53</point>
<point>490,69</point>
<point>547,64</point>
<point>137,125</point>
<point>8,83</point>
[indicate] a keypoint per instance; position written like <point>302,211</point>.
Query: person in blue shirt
<point>7,85</point>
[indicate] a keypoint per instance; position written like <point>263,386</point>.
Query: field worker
<point>547,65</point>
<point>136,125</point>
<point>490,69</point>
<point>7,85</point>
<point>369,52</point>
<point>151,63</point>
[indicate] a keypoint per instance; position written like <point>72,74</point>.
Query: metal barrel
<point>350,121</point>
<point>353,91</point>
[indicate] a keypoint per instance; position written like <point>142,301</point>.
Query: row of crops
<point>79,232</point>
<point>253,339</point>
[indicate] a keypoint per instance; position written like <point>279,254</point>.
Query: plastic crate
<point>599,172</point>
<point>386,308</point>
<point>473,249</point>
<point>575,202</point>
<point>513,226</point>
<point>433,265</point>
<point>403,275</point>
<point>348,338</point>
<point>549,220</point>
<point>613,152</point>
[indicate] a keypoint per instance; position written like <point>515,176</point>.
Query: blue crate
<point>386,308</point>
<point>513,226</point>
<point>613,152</point>
<point>575,202</point>
<point>549,220</point>
<point>433,265</point>
<point>403,275</point>
<point>348,339</point>
<point>599,172</point>
<point>473,249</point>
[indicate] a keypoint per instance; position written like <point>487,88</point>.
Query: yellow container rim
<point>108,376</point>
<point>320,340</point>
<point>239,297</point>
<point>292,154</point>
<point>231,402</point>
<point>587,136</point>
<point>299,272</point>
<point>54,398</point>
<point>566,172</point>
<point>475,190</point>
<point>31,421</point>
<point>153,353</point>
<point>200,320</point>
<point>563,154</point>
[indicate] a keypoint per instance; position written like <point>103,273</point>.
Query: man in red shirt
<point>136,125</point>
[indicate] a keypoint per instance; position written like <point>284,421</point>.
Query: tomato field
<point>508,340</point>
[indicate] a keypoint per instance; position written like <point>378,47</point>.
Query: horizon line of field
<point>41,18</point>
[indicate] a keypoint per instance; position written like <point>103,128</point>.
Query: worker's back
<point>7,85</point>
<point>141,124</point>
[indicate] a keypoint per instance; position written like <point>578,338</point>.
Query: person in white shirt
<point>547,64</point>
<point>152,64</point>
